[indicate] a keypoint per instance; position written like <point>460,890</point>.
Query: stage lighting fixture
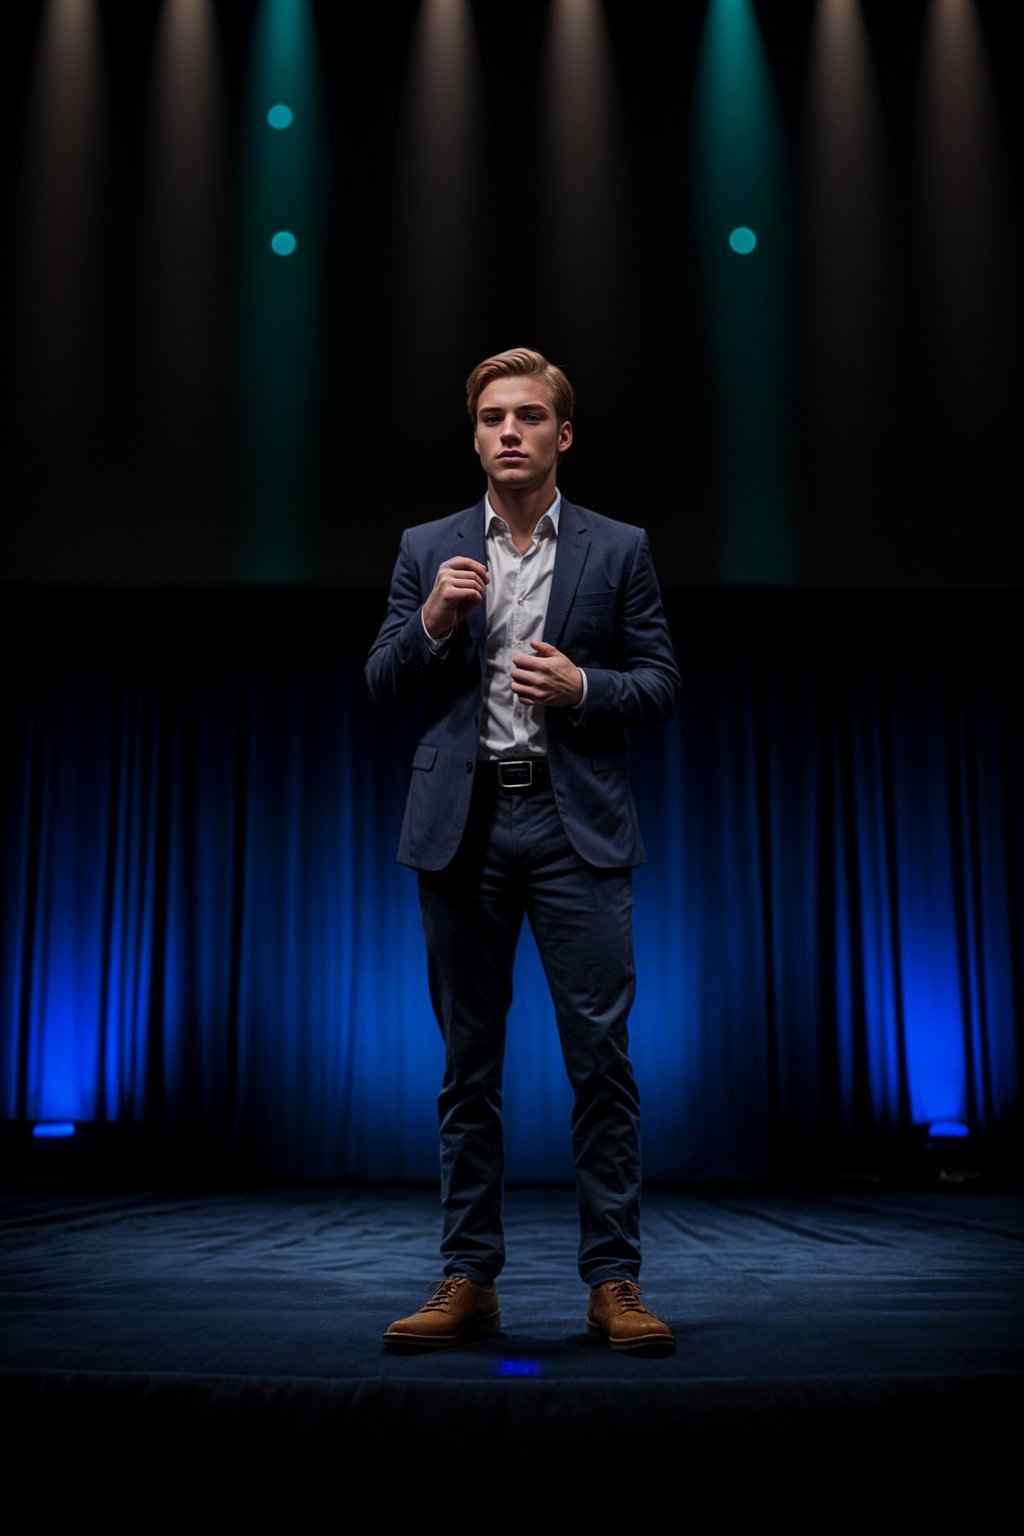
<point>950,1155</point>
<point>280,116</point>
<point>743,240</point>
<point>283,243</point>
<point>53,1130</point>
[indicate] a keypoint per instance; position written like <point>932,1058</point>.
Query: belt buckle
<point>522,774</point>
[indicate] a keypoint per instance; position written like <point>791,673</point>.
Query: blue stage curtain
<point>206,934</point>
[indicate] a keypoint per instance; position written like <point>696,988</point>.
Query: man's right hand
<point>459,585</point>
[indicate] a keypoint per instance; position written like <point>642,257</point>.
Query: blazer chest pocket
<point>424,756</point>
<point>595,599</point>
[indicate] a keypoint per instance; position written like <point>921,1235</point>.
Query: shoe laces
<point>442,1297</point>
<point>627,1294</point>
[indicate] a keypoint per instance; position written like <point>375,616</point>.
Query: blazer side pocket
<point>608,761</point>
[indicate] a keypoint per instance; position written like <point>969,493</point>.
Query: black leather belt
<point>518,776</point>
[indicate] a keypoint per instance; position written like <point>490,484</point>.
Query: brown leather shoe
<point>616,1312</point>
<point>458,1311</point>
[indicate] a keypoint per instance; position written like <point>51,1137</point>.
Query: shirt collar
<point>551,514</point>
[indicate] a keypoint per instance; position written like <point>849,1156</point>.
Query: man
<point>531,633</point>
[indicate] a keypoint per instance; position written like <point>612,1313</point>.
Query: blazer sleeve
<point>644,687</point>
<point>400,659</point>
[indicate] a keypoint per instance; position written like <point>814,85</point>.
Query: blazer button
<point>469,767</point>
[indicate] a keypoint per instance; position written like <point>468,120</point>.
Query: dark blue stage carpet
<point>862,1334</point>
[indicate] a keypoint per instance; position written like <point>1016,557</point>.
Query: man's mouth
<point>511,455</point>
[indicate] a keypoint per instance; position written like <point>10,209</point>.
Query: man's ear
<point>565,436</point>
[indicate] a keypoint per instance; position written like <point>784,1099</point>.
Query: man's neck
<point>522,510</point>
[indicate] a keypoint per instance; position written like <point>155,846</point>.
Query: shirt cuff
<point>438,645</point>
<point>577,709</point>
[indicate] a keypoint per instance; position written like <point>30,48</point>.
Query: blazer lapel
<point>472,542</point>
<point>570,558</point>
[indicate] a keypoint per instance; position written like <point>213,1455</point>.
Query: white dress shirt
<point>517,607</point>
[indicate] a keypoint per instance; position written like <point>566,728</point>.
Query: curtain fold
<point>205,932</point>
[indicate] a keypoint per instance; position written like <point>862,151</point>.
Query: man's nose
<point>510,430</point>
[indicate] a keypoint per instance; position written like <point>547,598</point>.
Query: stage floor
<point>816,1332</point>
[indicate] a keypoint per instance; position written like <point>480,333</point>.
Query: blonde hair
<point>520,361</point>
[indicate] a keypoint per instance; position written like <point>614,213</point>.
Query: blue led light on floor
<point>743,240</point>
<point>948,1129</point>
<point>517,1368</point>
<point>280,116</point>
<point>52,1130</point>
<point>283,243</point>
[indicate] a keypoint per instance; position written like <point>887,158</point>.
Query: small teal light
<point>280,116</point>
<point>52,1130</point>
<point>743,240</point>
<point>948,1129</point>
<point>283,243</point>
<point>517,1368</point>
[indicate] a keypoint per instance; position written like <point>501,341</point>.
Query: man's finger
<point>464,563</point>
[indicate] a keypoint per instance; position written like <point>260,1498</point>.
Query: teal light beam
<point>740,180</point>
<point>279,304</point>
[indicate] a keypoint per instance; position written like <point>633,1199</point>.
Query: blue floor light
<point>947,1130</point>
<point>517,1368</point>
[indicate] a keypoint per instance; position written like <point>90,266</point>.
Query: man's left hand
<point>546,678</point>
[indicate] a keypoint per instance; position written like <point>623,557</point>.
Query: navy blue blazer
<point>604,613</point>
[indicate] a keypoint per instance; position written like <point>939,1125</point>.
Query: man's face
<point>518,436</point>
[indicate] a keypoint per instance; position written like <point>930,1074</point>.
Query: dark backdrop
<point>209,450</point>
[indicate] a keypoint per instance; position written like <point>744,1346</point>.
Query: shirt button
<point>522,602</point>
